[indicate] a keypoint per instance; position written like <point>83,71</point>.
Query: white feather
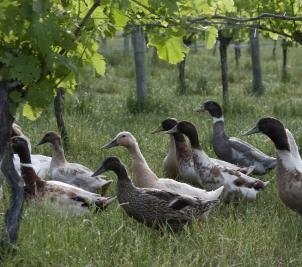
<point>291,160</point>
<point>218,119</point>
<point>185,189</point>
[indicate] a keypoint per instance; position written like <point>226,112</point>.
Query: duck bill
<point>252,131</point>
<point>99,171</point>
<point>113,143</point>
<point>172,131</point>
<point>199,109</point>
<point>43,141</point>
<point>158,130</point>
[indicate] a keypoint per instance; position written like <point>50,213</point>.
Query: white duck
<point>74,199</point>
<point>71,173</point>
<point>143,176</point>
<point>213,175</point>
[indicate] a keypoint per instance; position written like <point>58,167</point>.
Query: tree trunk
<point>214,49</point>
<point>195,47</point>
<point>182,66</point>
<point>139,48</point>
<point>126,44</point>
<point>59,116</point>
<point>237,51</point>
<point>256,64</point>
<point>274,49</point>
<point>103,45</point>
<point>284,45</point>
<point>224,43</point>
<point>13,214</point>
<point>181,74</point>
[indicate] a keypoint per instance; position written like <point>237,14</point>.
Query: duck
<point>170,160</point>
<point>71,173</point>
<point>40,163</point>
<point>232,149</point>
<point>73,199</point>
<point>152,207</point>
<point>180,157</point>
<point>143,176</point>
<point>236,184</point>
<point>289,163</point>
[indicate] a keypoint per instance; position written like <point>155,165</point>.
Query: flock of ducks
<point>195,183</point>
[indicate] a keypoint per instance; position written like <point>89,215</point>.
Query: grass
<point>260,233</point>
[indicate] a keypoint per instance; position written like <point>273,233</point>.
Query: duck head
<point>212,107</point>
<point>113,164</point>
<point>50,137</point>
<point>125,139</point>
<point>20,147</point>
<point>166,125</point>
<point>274,129</point>
<point>187,128</point>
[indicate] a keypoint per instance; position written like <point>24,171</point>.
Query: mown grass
<point>261,233</point>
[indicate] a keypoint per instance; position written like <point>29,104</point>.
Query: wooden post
<point>258,87</point>
<point>139,48</point>
<point>224,43</point>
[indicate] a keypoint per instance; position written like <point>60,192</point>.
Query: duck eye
<point>123,135</point>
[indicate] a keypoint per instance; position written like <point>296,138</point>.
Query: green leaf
<point>32,113</point>
<point>40,95</point>
<point>272,35</point>
<point>172,49</point>
<point>98,63</point>
<point>25,68</point>
<point>69,83</point>
<point>211,36</point>
<point>41,6</point>
<point>119,18</point>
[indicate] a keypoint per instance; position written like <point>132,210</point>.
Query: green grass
<point>260,233</point>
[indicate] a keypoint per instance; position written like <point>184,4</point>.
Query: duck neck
<point>218,126</point>
<point>121,174</point>
<point>58,156</point>
<point>24,155</point>
<point>180,143</point>
<point>172,150</point>
<point>194,140</point>
<point>29,175</point>
<point>142,175</point>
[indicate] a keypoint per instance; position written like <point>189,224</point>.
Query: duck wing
<point>79,175</point>
<point>246,152</point>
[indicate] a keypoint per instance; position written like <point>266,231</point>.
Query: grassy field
<point>260,233</point>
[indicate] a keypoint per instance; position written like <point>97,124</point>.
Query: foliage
<point>51,43</point>
<point>261,233</point>
<point>40,49</point>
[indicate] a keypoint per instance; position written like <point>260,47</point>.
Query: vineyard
<point>127,66</point>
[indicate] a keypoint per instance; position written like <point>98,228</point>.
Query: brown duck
<point>179,159</point>
<point>155,208</point>
<point>71,198</point>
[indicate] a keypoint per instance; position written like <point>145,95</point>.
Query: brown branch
<point>83,22</point>
<point>244,20</point>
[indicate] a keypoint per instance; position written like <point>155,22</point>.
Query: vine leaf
<point>30,112</point>
<point>172,49</point>
<point>25,68</point>
<point>211,36</point>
